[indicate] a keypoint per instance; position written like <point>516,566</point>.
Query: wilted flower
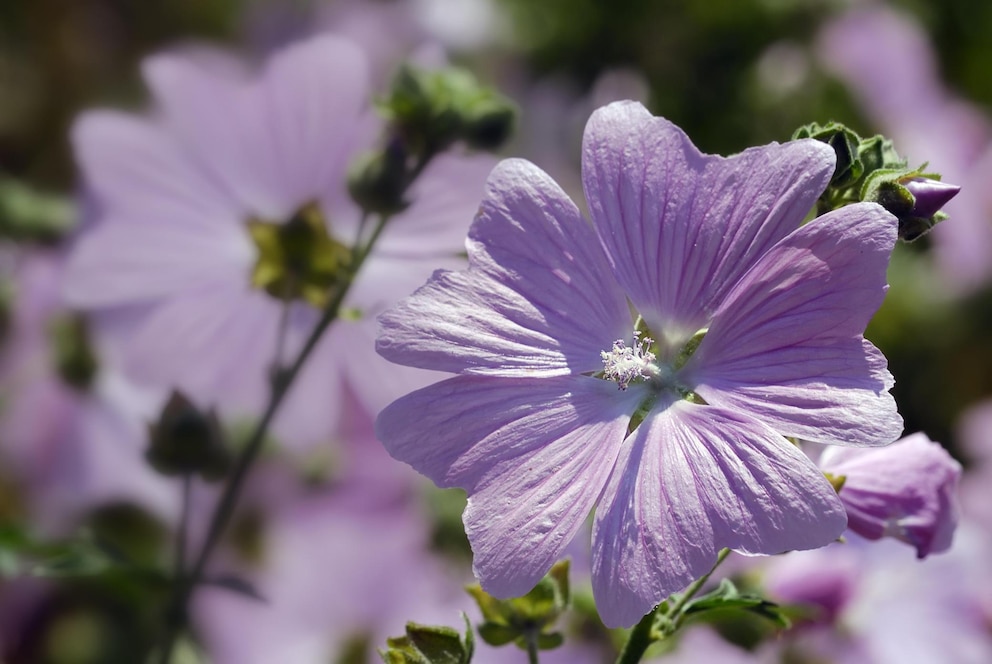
<point>755,329</point>
<point>906,491</point>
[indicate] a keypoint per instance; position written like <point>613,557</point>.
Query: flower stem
<point>640,638</point>
<point>187,583</point>
<point>532,649</point>
<point>182,534</point>
<point>670,611</point>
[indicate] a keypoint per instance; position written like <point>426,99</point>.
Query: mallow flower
<point>202,207</point>
<point>906,490</point>
<point>650,365</point>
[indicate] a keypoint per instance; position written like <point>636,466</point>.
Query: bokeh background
<point>345,549</point>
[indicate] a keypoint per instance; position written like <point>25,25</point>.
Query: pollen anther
<point>624,363</point>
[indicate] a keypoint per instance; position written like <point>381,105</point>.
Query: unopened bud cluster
<point>871,170</point>
<point>428,112</point>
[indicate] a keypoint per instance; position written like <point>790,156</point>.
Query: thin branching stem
<point>644,633</point>
<point>187,583</point>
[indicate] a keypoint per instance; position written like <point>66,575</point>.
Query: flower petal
<point>137,171</point>
<point>118,261</point>
<point>538,298</point>
<point>786,345</point>
<point>681,227</point>
<point>907,490</point>
<point>532,454</point>
<point>444,198</point>
<point>691,480</point>
<point>275,143</point>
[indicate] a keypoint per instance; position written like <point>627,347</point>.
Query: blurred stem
<point>532,648</point>
<point>185,586</point>
<point>670,612</point>
<point>183,533</point>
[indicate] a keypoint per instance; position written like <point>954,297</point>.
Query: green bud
<point>74,357</point>
<point>428,644</point>
<point>433,109</point>
<point>527,619</point>
<point>186,441</point>
<point>845,144</point>
<point>489,123</point>
<point>378,180</point>
<point>29,215</point>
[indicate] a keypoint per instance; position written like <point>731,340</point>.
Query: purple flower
<point>171,256</point>
<point>755,329</point>
<point>906,490</point>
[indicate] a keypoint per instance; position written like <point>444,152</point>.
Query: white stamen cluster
<point>625,363</point>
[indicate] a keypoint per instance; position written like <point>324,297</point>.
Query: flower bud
<point>914,197</point>
<point>905,490</point>
<point>929,195</point>
<point>378,180</point>
<point>74,357</point>
<point>185,441</point>
<point>489,123</point>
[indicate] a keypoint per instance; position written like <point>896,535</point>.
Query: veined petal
<point>444,200</point>
<point>682,227</point>
<point>119,261</point>
<point>216,345</point>
<point>275,143</point>
<point>316,100</point>
<point>692,480</point>
<point>538,297</point>
<point>533,455</point>
<point>138,171</point>
<point>786,345</point>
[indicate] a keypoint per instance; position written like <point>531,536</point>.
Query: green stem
<point>640,638</point>
<point>643,634</point>
<point>186,584</point>
<point>182,535</point>
<point>532,649</point>
<point>695,586</point>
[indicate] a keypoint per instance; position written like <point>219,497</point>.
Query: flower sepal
<point>429,644</point>
<point>528,620</point>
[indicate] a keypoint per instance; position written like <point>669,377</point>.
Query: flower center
<point>624,363</point>
<point>298,259</point>
<point>639,362</point>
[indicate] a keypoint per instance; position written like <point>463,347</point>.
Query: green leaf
<point>430,644</point>
<point>727,596</point>
<point>550,641</point>
<point>497,635</point>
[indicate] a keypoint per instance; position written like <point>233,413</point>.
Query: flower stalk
<point>187,583</point>
<point>665,619</point>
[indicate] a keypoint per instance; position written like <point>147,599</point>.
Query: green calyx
<point>527,621</point>
<point>430,644</point>
<point>299,259</point>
